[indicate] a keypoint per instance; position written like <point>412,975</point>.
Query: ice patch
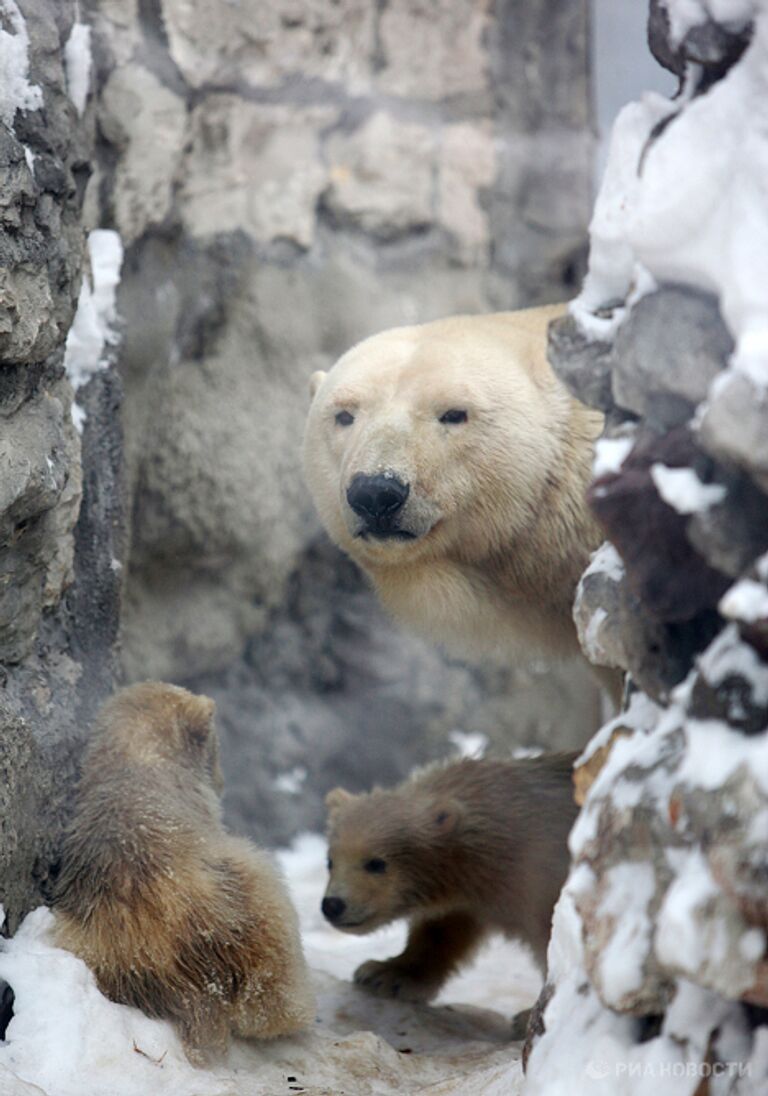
<point>468,744</point>
<point>591,637</point>
<point>292,782</point>
<point>715,752</point>
<point>92,331</point>
<point>629,889</point>
<point>746,601</point>
<point>682,489</point>
<point>730,656</point>
<point>606,561</point>
<point>16,92</point>
<point>610,454</point>
<point>679,943</point>
<point>78,63</point>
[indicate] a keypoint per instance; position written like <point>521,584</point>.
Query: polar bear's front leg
<point>435,950</point>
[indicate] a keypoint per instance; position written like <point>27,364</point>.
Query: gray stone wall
<point>58,529</point>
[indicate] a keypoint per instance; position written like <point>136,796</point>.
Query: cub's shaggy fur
<point>484,532</point>
<point>172,914</point>
<point>463,850</point>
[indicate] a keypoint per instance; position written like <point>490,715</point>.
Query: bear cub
<point>172,914</point>
<point>462,849</point>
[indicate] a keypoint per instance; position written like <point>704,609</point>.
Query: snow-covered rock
<point>658,980</point>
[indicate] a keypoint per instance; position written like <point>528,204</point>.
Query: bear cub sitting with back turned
<point>173,914</point>
<point>462,849</point>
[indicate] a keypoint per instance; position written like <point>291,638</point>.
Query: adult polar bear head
<point>451,464</point>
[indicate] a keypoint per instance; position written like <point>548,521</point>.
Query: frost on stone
<point>668,884</point>
<point>686,15</point>
<point>93,330</point>
<point>627,892</point>
<point>641,715</point>
<point>78,63</point>
<point>658,954</point>
<point>291,782</point>
<point>610,454</point>
<point>699,933</point>
<point>594,609</point>
<point>606,561</point>
<point>16,92</point>
<point>729,657</point>
<point>747,601</point>
<point>684,195</point>
<point>682,489</point>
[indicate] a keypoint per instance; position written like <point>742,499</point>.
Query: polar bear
<point>451,464</point>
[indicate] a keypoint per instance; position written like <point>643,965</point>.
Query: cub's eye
<point>344,418</point>
<point>454,416</point>
<point>375,866</point>
<point>329,862</point>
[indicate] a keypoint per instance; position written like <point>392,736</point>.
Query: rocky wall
<point>658,959</point>
<point>58,531</point>
<point>287,179</point>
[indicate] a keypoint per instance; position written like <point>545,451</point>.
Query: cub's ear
<point>315,381</point>
<point>336,799</point>
<point>444,816</point>
<point>198,720</point>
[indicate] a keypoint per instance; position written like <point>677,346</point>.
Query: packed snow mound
<point>684,195</point>
<point>66,1039</point>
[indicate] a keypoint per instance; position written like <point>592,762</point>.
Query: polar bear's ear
<point>445,816</point>
<point>337,798</point>
<point>315,381</point>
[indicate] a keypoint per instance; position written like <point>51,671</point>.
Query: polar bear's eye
<point>344,418</point>
<point>454,416</point>
<point>375,866</point>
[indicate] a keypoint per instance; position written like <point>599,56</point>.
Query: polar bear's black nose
<point>333,908</point>
<point>377,498</point>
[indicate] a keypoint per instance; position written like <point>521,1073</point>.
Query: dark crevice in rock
<point>7,999</point>
<point>156,54</point>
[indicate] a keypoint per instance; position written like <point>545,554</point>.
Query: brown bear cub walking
<point>463,849</point>
<point>171,913</point>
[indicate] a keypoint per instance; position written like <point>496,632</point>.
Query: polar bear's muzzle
<point>378,502</point>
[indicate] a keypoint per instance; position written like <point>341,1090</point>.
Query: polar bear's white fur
<point>466,420</point>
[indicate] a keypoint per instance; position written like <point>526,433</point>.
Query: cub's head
<point>162,724</point>
<point>426,441</point>
<point>386,856</point>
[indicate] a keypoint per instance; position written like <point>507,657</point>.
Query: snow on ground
<point>66,1039</point>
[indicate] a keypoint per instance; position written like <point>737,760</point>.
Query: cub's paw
<point>390,980</point>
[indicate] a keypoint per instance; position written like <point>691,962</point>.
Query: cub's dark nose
<point>333,908</point>
<point>377,498</point>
